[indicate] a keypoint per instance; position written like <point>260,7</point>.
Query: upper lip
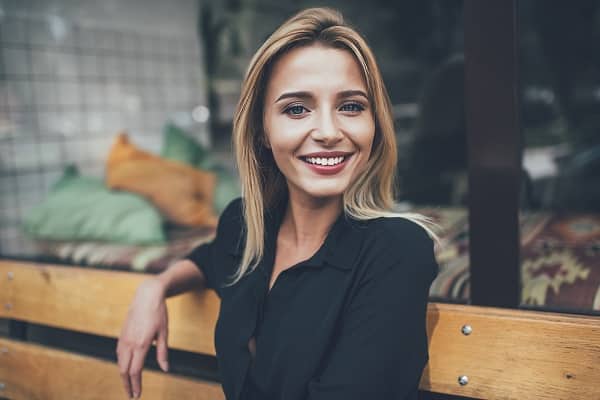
<point>328,154</point>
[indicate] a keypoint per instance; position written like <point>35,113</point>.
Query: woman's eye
<point>352,107</point>
<point>295,110</point>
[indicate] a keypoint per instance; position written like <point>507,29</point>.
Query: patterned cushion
<point>560,259</point>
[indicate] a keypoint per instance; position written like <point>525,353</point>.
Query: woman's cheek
<point>360,131</point>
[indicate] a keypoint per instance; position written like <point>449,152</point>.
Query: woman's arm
<point>147,320</point>
<point>180,277</point>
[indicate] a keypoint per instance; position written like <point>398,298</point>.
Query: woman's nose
<point>327,129</point>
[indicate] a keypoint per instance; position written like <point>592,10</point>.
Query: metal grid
<point>67,89</point>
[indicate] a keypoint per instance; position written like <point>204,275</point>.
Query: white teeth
<point>325,161</point>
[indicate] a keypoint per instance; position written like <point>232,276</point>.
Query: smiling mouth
<point>325,164</point>
<point>325,161</point>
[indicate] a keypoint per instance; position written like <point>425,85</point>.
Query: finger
<point>135,370</point>
<point>124,360</point>
<point>162,349</point>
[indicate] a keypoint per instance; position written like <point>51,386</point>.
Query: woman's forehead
<point>315,68</point>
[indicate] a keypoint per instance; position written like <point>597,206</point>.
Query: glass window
<point>560,122</point>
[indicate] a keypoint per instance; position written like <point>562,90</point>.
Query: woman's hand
<point>147,320</point>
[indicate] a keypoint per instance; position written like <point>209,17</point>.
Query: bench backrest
<point>479,352</point>
<point>492,353</point>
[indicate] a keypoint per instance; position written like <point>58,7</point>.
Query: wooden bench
<point>478,352</point>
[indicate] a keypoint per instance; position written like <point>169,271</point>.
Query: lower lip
<point>327,169</point>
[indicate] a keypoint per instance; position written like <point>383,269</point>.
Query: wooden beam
<point>494,151</point>
<point>96,301</point>
<point>30,371</point>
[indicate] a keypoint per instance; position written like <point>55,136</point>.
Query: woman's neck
<point>307,221</point>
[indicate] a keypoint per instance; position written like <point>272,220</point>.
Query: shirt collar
<point>344,242</point>
<point>339,250</point>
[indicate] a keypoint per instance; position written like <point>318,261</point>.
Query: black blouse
<point>347,323</point>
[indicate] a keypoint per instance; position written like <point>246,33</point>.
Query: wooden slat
<point>96,301</point>
<point>29,372</point>
<point>512,354</point>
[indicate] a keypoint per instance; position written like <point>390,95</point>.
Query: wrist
<point>156,284</point>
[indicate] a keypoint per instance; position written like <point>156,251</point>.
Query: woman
<point>323,288</point>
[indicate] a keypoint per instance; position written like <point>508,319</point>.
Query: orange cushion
<point>183,194</point>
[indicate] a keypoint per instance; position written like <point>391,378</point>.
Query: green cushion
<point>82,208</point>
<point>178,146</point>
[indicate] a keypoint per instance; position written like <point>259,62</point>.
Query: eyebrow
<point>308,95</point>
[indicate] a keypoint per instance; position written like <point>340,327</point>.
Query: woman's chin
<point>323,191</point>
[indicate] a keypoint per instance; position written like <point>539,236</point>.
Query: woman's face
<point>318,121</point>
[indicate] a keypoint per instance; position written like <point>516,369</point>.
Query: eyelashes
<point>297,110</point>
<point>353,107</point>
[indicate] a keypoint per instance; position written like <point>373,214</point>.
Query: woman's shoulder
<point>233,211</point>
<point>233,207</point>
<point>399,240</point>
<point>398,229</point>
<point>232,217</point>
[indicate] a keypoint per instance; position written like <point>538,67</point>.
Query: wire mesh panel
<point>68,85</point>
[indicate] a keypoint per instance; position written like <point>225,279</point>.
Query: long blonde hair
<point>371,195</point>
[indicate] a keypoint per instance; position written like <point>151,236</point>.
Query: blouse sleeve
<point>202,256</point>
<point>208,256</point>
<point>381,350</point>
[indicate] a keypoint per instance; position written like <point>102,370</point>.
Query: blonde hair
<point>371,195</point>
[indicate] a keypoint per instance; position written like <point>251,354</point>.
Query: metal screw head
<point>3,350</point>
<point>8,306</point>
<point>466,330</point>
<point>463,380</point>
<point>2,386</point>
<point>11,275</point>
